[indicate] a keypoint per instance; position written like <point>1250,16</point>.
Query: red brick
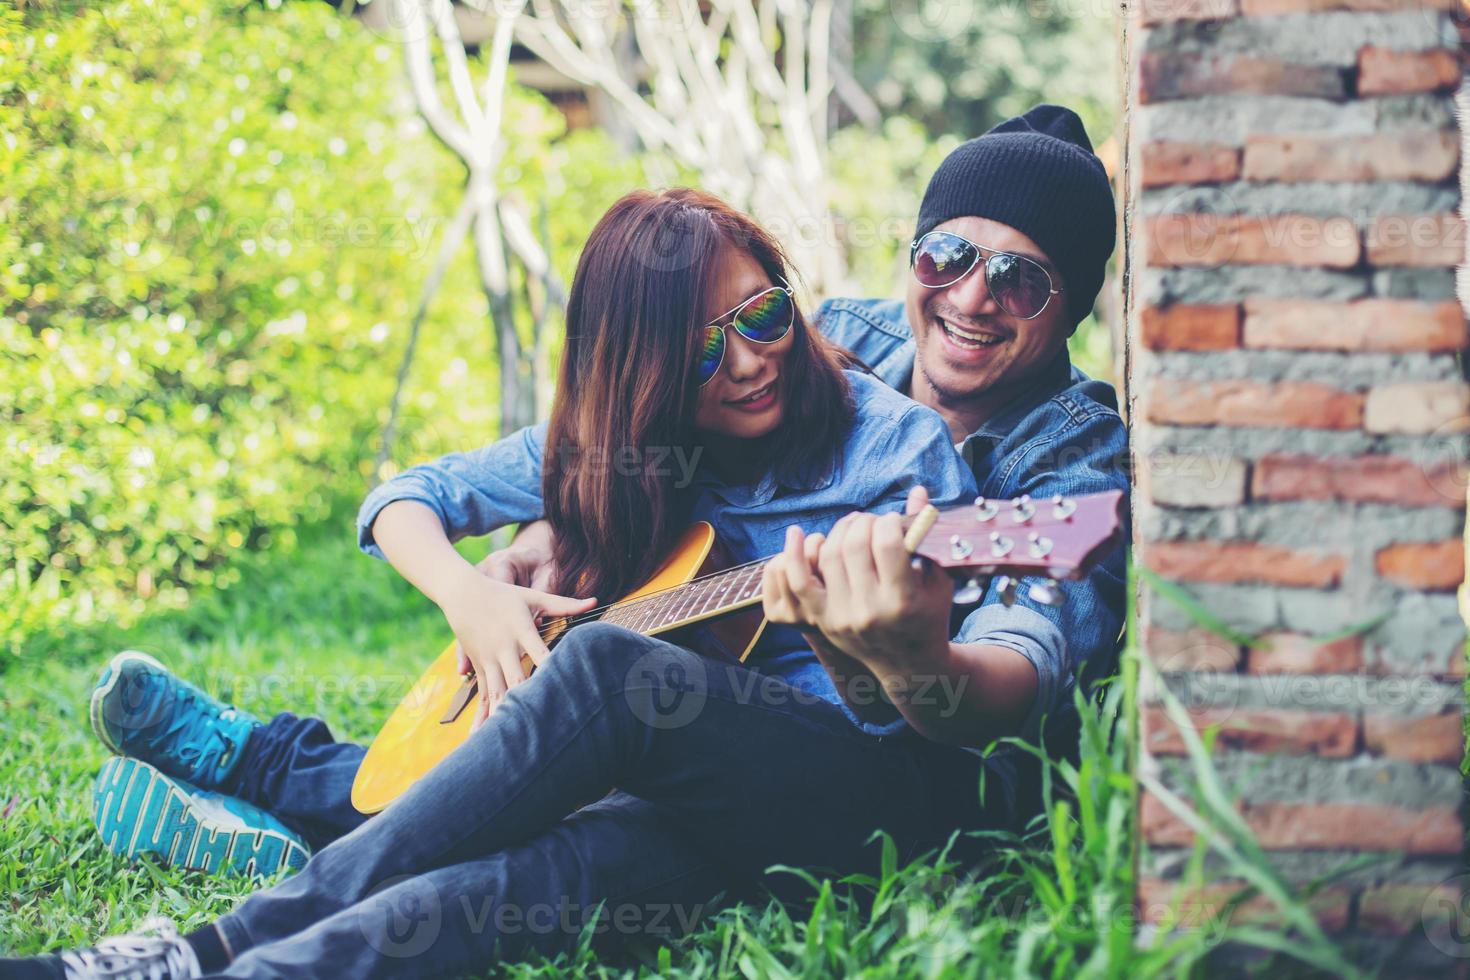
<point>1294,653</point>
<point>1288,239</point>
<point>1356,826</point>
<point>1158,825</point>
<point>1323,826</point>
<point>1208,904</point>
<point>1177,651</point>
<point>1330,734</point>
<point>1186,326</point>
<point>1163,76</point>
<point>1303,404</point>
<point>1436,565</point>
<point>1165,163</point>
<point>1427,738</point>
<point>1254,7</point>
<point>1365,325</point>
<point>1161,11</point>
<point>1436,240</point>
<point>1417,407</point>
<point>1244,561</point>
<point>1383,71</point>
<point>1427,156</point>
<point>1370,479</point>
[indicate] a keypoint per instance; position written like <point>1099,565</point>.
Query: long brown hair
<point>627,389</point>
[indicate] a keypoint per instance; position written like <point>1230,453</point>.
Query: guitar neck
<point>707,597</point>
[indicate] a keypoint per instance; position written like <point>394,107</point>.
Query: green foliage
<point>214,222</point>
<point>960,67</point>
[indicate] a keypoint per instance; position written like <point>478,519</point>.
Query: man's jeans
<point>511,842</point>
<point>293,769</point>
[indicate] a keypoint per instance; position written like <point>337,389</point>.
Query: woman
<point>682,342</point>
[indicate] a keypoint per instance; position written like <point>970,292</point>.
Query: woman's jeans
<point>510,844</point>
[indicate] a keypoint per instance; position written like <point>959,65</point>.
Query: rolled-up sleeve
<point>472,493</point>
<point>1079,636</point>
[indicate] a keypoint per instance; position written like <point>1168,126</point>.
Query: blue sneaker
<point>141,710</point>
<point>139,810</point>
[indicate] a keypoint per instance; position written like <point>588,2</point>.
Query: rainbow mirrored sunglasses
<point>764,318</point>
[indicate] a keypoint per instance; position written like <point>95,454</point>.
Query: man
<point>1009,254</point>
<point>1010,251</point>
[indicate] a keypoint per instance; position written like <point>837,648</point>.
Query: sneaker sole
<point>139,810</point>
<point>114,674</point>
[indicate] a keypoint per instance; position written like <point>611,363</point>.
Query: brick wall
<point>1292,230</point>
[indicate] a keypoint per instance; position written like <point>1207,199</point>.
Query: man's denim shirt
<point>1065,437</point>
<point>892,443</point>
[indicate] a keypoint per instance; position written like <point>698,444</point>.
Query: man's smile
<point>968,338</point>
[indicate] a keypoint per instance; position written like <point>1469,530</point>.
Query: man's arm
<point>862,598</point>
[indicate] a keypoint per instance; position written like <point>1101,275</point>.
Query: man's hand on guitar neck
<point>867,600</point>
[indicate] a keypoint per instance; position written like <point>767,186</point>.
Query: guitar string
<point>598,612</point>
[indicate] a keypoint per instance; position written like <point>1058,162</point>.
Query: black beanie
<point>1038,174</point>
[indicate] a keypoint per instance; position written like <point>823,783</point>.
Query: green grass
<point>322,629</point>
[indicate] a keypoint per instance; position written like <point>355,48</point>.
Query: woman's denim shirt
<point>892,444</point>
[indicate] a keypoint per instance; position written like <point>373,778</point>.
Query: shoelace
<point>137,956</point>
<point>193,728</point>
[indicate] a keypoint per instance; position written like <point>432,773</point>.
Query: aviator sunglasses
<point>1021,286</point>
<point>764,318</point>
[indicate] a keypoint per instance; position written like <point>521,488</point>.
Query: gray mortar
<point>1349,371</point>
<point>1304,867</point>
<point>1360,201</point>
<point>1238,443</point>
<point>1229,283</point>
<point>1308,779</point>
<point>1306,524</point>
<point>1230,118</point>
<point>1309,39</point>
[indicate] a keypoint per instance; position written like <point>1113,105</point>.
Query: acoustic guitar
<point>697,586</point>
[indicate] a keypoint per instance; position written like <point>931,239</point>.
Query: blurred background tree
<point>217,218</point>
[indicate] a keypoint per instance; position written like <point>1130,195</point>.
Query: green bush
<point>215,220</point>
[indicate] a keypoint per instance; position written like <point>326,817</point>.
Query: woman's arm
<point>412,538</point>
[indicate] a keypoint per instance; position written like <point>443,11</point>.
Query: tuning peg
<point>1022,509</point>
<point>1048,593</point>
<point>1007,587</point>
<point>969,592</point>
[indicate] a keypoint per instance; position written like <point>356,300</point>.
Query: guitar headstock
<point>1058,537</point>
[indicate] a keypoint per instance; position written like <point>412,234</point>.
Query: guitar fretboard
<point>703,598</point>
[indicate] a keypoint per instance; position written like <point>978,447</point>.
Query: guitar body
<point>434,717</point>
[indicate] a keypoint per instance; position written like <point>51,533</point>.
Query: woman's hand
<point>527,561</point>
<point>496,625</point>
